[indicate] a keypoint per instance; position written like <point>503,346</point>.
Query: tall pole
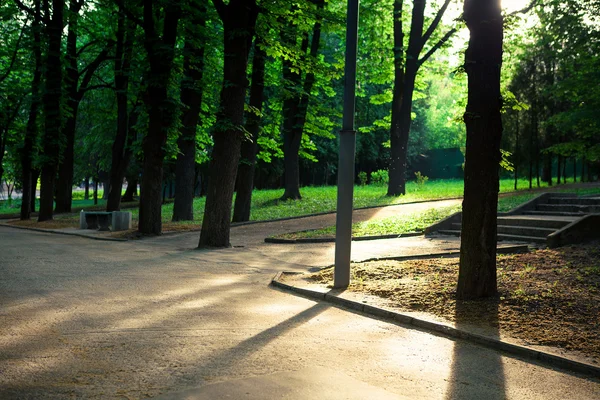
<point>343,232</point>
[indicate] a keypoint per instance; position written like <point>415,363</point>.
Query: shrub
<point>380,177</point>
<point>362,178</point>
<point>421,179</point>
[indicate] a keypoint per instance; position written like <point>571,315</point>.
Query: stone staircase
<point>551,219</point>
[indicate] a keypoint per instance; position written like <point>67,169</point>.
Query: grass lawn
<point>267,206</point>
<point>414,222</point>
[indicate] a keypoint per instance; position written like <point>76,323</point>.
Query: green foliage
<point>380,177</point>
<point>421,179</point>
<point>362,178</point>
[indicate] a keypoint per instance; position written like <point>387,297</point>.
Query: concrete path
<point>89,319</point>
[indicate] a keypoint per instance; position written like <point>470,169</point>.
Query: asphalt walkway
<point>156,317</point>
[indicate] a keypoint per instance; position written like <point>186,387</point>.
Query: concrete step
<point>554,213</point>
<point>575,208</point>
<point>520,238</point>
<point>536,221</point>
<point>525,231</point>
<point>575,200</point>
<point>514,238</point>
<point>519,230</point>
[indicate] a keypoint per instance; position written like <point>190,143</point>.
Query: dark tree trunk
<point>160,112</point>
<point>404,85</point>
<point>558,170</point>
<point>297,111</point>
<point>131,190</point>
<point>31,132</point>
<point>52,112</point>
<point>483,61</point>
<point>247,165</point>
<point>86,196</point>
<point>121,153</point>
<point>191,98</point>
<point>517,150</point>
<point>75,92</point>
<point>547,172</point>
<point>95,191</point>
<point>574,170</point>
<point>239,19</point>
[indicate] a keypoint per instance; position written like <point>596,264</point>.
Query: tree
<point>77,83</point>
<point>51,100</point>
<point>28,186</point>
<point>191,99</point>
<point>161,109</point>
<point>483,62</point>
<point>406,68</point>
<point>247,165</point>
<point>295,105</point>
<point>239,19</point>
<point>121,148</point>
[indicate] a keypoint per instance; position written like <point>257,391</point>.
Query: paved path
<point>89,319</point>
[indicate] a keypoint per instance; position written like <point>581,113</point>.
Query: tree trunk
<point>296,112</point>
<point>517,151</point>
<point>52,110</point>
<point>558,170</point>
<point>483,61</point>
<point>131,189</point>
<point>121,153</point>
<point>87,188</point>
<point>404,84</point>
<point>247,165</point>
<point>191,99</point>
<point>64,183</point>
<point>160,113</point>
<point>31,132</point>
<point>239,19</point>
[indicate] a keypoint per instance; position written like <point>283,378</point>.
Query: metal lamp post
<point>347,150</point>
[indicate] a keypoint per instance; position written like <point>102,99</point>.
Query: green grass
<point>416,222</point>
<point>398,224</point>
<point>267,206</point>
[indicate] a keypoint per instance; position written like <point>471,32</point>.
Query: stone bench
<point>101,220</point>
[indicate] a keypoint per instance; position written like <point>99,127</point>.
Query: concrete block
<point>82,223</point>
<point>121,220</point>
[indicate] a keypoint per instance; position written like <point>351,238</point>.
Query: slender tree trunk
<point>95,191</point>
<point>161,112</point>
<point>558,170</point>
<point>239,19</point>
<point>191,99</point>
<point>87,188</point>
<point>247,165</point>
<point>52,112</point>
<point>574,169</point>
<point>517,151</point>
<point>483,61</point>
<point>31,132</point>
<point>131,190</point>
<point>397,101</point>
<point>121,154</point>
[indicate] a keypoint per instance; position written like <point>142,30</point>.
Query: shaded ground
<point>547,297</point>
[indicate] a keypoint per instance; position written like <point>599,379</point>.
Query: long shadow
<point>242,350</point>
<point>476,372</point>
